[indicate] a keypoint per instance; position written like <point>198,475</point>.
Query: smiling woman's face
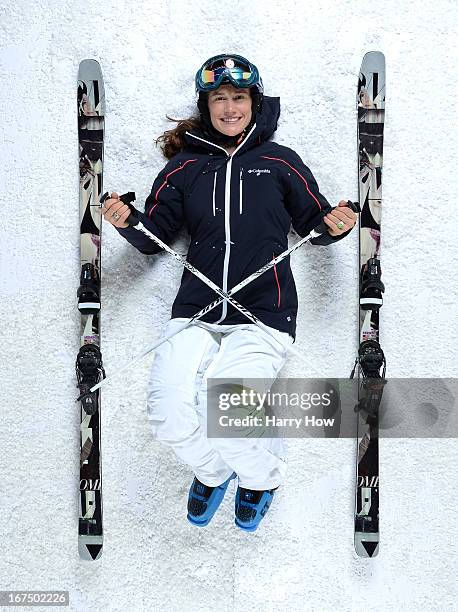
<point>230,109</point>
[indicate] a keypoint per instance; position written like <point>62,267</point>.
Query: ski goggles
<point>233,68</point>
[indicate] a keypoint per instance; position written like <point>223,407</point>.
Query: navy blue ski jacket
<point>238,211</point>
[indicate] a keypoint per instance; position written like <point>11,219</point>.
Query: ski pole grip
<point>126,198</point>
<point>355,207</point>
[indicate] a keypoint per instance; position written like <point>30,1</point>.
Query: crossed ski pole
<point>133,221</point>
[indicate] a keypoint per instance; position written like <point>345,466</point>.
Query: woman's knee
<point>171,414</point>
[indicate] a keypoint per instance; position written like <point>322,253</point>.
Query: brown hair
<point>173,141</point>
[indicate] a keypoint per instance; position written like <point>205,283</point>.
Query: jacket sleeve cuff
<point>141,242</point>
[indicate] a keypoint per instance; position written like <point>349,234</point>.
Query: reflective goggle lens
<point>241,74</point>
<point>236,74</point>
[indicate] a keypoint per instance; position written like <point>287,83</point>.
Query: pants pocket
<point>172,419</point>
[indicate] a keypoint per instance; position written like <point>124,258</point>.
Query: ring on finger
<point>116,216</point>
<point>340,224</point>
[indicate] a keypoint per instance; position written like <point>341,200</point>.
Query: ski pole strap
<point>133,220</point>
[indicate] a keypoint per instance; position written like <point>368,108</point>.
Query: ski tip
<point>90,70</point>
<point>91,93</point>
<point>373,61</point>
<point>378,53</point>
<point>89,63</point>
<point>366,544</point>
<point>90,548</point>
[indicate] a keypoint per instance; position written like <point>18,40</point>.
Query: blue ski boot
<point>204,501</point>
<point>251,507</point>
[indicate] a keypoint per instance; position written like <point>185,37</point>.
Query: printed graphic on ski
<point>371,360</point>
<point>89,367</point>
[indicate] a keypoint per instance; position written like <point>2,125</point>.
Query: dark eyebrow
<point>216,92</point>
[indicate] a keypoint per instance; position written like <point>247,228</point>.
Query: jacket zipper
<point>241,191</point>
<point>227,211</point>
<point>278,284</point>
<point>214,191</point>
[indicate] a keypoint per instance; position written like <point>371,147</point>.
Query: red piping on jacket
<point>156,197</point>
<point>278,283</point>
<point>298,173</point>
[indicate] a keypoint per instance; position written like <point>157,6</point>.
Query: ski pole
<point>135,222</point>
<point>317,231</point>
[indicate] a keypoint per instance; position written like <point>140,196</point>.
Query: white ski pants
<point>177,399</point>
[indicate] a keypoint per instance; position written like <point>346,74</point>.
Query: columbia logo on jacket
<point>258,172</point>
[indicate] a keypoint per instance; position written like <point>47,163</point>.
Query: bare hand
<point>115,211</point>
<point>342,215</point>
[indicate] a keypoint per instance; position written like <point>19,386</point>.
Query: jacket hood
<point>266,124</point>
<point>267,119</point>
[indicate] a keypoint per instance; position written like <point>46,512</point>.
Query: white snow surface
<point>302,558</point>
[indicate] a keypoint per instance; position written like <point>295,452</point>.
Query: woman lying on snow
<point>238,194</point>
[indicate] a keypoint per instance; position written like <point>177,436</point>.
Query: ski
<point>89,366</point>
<point>370,362</point>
